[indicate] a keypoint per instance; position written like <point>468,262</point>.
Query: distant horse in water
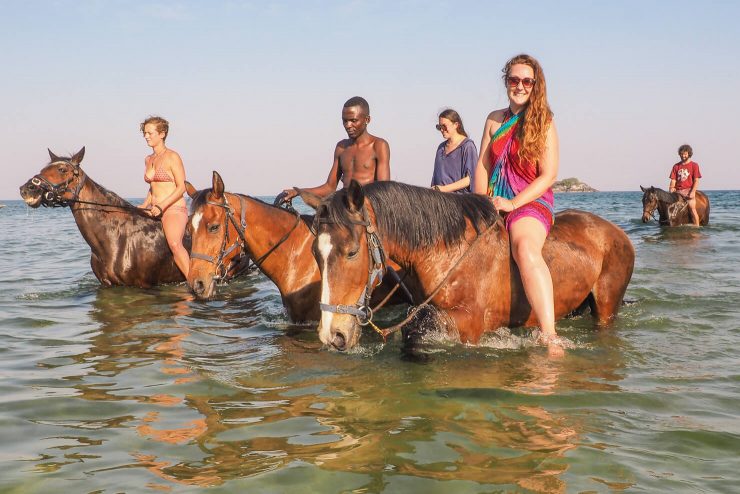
<point>228,228</point>
<point>673,209</point>
<point>459,249</point>
<point>128,247</point>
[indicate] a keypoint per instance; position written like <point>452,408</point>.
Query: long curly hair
<point>537,117</point>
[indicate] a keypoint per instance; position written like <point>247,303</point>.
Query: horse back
<point>583,250</point>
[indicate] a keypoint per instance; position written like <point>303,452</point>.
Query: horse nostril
<point>199,287</point>
<point>338,342</point>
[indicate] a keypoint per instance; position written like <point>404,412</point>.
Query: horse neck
<point>266,226</point>
<point>436,257</point>
<point>92,219</point>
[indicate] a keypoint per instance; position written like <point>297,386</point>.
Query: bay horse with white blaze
<point>227,228</point>
<point>127,247</point>
<point>458,248</point>
<point>673,209</point>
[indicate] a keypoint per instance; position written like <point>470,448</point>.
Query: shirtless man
<point>362,157</point>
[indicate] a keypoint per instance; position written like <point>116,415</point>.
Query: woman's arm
<point>148,201</point>
<point>483,167</point>
<point>454,186</point>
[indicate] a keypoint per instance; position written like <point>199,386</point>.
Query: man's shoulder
<point>378,141</point>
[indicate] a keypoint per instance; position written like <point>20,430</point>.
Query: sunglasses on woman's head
<point>513,81</point>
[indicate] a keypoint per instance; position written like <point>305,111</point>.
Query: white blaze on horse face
<point>326,316</point>
<point>196,220</point>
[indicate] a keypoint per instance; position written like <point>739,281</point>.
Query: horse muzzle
<point>31,194</point>
<point>203,287</point>
<point>343,333</point>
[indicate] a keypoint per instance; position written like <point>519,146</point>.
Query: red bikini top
<point>160,175</point>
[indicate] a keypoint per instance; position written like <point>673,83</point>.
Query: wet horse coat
<point>127,247</point>
<point>590,259</point>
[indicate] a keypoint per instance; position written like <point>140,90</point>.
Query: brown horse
<point>226,227</point>
<point>458,248</point>
<point>673,209</point>
<point>128,247</point>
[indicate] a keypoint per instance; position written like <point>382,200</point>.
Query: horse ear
<point>192,191</point>
<point>355,196</point>
<point>53,156</point>
<point>218,185</point>
<point>642,188</point>
<point>77,158</point>
<point>309,198</point>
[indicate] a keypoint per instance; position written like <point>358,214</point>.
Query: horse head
<point>216,241</point>
<point>649,203</point>
<point>351,262</point>
<point>57,183</point>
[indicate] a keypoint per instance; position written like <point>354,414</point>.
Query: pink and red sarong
<point>510,175</point>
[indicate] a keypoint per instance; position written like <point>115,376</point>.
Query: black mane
<point>663,196</point>
<point>416,217</point>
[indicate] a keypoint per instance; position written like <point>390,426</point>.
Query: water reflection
<point>199,396</point>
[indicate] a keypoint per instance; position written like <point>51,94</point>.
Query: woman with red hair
<point>517,166</point>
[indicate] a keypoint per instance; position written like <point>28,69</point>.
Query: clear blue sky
<point>255,89</point>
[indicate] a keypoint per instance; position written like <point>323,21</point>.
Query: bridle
<point>237,264</point>
<point>668,214</point>
<point>53,193</point>
<point>361,309</point>
<point>651,213</point>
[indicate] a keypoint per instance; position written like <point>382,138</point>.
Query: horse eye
<point>213,228</point>
<point>353,254</point>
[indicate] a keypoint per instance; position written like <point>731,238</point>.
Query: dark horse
<point>673,209</point>
<point>128,248</point>
<point>225,227</point>
<point>459,250</point>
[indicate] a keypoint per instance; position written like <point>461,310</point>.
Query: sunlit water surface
<point>129,390</point>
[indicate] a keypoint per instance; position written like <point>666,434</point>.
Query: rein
<point>240,242</point>
<point>361,310</point>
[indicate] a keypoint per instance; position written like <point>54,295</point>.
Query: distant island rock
<point>571,185</point>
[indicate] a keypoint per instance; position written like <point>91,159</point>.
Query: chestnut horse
<point>128,247</point>
<point>226,227</point>
<point>673,209</point>
<point>459,250</point>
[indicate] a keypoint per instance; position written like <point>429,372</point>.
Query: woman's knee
<point>527,257</point>
<point>175,244</point>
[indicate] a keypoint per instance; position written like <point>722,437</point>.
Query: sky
<point>254,89</point>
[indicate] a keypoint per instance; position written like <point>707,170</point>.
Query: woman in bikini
<point>165,175</point>
<point>517,167</point>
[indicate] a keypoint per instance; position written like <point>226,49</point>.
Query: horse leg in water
<point>607,293</point>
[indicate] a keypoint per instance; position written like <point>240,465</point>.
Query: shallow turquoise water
<point>127,390</point>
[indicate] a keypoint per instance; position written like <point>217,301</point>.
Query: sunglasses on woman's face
<point>513,81</point>
<point>441,127</point>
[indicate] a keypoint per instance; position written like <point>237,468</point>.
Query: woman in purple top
<point>456,158</point>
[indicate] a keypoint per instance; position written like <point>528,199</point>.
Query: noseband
<point>240,242</point>
<point>52,193</point>
<point>362,310</point>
